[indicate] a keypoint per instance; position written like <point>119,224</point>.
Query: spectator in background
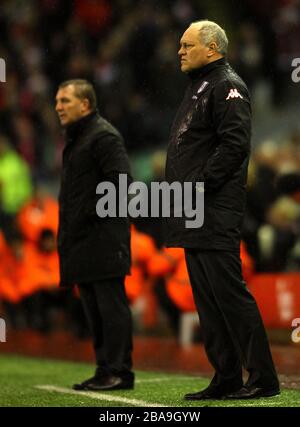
<point>41,212</point>
<point>15,182</point>
<point>13,277</point>
<point>139,285</point>
<point>175,293</point>
<point>250,54</point>
<point>95,15</point>
<point>277,236</point>
<point>41,296</point>
<point>142,249</point>
<point>261,194</point>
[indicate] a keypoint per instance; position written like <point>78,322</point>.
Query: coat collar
<point>200,72</point>
<point>74,129</point>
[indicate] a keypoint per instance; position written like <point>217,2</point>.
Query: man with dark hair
<point>83,89</point>
<point>210,143</point>
<point>95,252</point>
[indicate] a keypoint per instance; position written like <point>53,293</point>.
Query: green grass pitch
<point>21,378</point>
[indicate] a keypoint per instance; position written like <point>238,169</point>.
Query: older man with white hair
<point>210,143</point>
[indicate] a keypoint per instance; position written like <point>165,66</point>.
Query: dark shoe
<point>215,391</point>
<point>84,384</point>
<point>207,393</point>
<point>253,392</point>
<point>105,383</point>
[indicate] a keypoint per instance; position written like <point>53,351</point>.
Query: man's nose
<point>180,52</point>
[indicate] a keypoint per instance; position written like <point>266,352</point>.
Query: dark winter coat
<point>210,143</point>
<point>91,248</point>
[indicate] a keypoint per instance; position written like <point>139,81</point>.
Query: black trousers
<point>106,307</point>
<point>233,332</point>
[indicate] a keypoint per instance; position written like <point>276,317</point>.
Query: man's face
<point>193,53</point>
<point>69,107</point>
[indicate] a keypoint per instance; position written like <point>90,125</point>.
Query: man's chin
<point>64,123</point>
<point>184,68</point>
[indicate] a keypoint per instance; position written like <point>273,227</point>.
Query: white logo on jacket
<point>233,93</point>
<point>202,87</point>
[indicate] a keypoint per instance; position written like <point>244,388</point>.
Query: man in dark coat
<point>94,252</point>
<point>210,143</point>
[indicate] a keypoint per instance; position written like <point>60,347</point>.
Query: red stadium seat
<point>278,297</point>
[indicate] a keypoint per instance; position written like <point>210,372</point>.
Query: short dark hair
<point>83,90</point>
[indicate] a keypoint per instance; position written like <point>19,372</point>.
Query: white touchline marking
<point>99,396</point>
<point>157,380</point>
<point>260,402</point>
<point>256,405</point>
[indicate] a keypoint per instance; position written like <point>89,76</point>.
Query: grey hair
<point>211,32</point>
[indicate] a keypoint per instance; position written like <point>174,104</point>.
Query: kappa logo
<point>233,93</point>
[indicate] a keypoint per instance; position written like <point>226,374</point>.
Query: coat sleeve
<point>111,156</point>
<point>231,118</point>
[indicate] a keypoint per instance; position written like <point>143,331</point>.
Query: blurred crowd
<point>271,227</point>
<point>128,50</point>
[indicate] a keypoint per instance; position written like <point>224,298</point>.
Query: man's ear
<point>85,104</point>
<point>212,49</point>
